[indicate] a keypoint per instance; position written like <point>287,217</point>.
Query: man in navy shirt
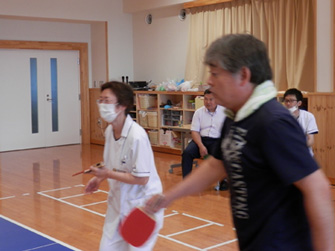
<point>280,199</point>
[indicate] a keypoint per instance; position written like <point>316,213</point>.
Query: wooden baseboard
<point>163,149</point>
<point>97,142</point>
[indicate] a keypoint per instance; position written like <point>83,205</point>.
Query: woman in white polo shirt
<point>129,166</point>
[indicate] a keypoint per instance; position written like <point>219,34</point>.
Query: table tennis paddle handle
<point>99,165</point>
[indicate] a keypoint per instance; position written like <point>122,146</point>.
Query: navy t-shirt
<point>263,155</point>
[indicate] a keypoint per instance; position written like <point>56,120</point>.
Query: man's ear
<point>299,103</point>
<point>245,75</point>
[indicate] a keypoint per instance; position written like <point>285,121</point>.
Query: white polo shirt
<point>308,124</point>
<point>208,124</point>
<point>131,153</point>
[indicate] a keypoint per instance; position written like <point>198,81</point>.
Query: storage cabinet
<point>171,118</point>
<point>164,115</point>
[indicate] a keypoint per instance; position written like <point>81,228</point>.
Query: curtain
<point>285,26</point>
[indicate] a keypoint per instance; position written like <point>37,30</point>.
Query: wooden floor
<point>37,190</point>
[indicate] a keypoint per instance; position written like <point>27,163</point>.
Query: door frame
<point>83,60</point>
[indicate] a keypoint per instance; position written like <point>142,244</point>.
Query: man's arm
<point>318,205</point>
<point>196,137</point>
<point>211,170</point>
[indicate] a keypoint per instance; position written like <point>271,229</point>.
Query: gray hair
<point>234,51</point>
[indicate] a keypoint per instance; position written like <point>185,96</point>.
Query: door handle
<point>49,99</point>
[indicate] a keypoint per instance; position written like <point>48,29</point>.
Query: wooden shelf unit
<point>179,114</point>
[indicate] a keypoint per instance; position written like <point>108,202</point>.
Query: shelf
<point>147,110</point>
<point>167,119</point>
<point>171,109</point>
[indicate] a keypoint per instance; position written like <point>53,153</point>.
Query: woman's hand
<point>92,185</point>
<point>101,172</point>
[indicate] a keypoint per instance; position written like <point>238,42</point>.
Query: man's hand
<point>155,203</point>
<point>203,151</point>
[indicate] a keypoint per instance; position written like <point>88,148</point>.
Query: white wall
<point>11,29</point>
<point>99,52</point>
<point>120,41</point>
<point>325,52</point>
<point>78,11</point>
<point>160,48</point>
<point>29,30</point>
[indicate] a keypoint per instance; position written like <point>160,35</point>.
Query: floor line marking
<point>221,244</point>
<point>180,242</point>
<point>8,197</point>
<point>71,204</point>
<point>39,233</point>
<point>102,191</point>
<point>169,215</point>
<point>189,230</point>
<point>198,218</point>
<point>94,203</point>
<point>39,247</point>
<point>71,196</point>
<point>56,189</point>
<point>209,223</point>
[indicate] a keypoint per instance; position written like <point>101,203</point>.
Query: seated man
<point>292,100</point>
<point>205,130</point>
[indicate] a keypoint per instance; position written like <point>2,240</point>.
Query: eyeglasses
<point>105,101</point>
<point>290,101</point>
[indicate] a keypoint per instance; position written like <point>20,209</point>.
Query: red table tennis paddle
<point>137,227</point>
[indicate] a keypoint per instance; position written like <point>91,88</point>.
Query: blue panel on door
<point>33,95</point>
<point>54,94</point>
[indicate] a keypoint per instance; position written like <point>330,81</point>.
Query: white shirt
<point>308,123</point>
<point>131,153</point>
<point>208,124</point>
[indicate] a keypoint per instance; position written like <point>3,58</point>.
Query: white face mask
<point>293,109</point>
<point>107,112</point>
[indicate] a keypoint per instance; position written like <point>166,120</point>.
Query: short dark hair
<point>296,92</point>
<point>123,92</point>
<point>207,91</point>
<point>234,51</point>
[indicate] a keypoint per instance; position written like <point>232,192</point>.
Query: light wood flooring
<point>37,190</point>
